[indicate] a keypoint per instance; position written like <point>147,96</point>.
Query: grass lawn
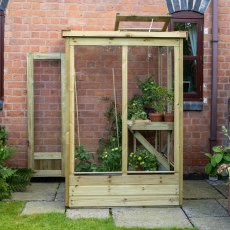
<point>10,219</point>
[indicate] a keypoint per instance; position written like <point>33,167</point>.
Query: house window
<point>193,52</point>
<point>1,53</point>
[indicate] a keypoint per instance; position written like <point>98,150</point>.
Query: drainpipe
<point>213,124</point>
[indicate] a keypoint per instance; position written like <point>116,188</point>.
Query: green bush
<point>142,160</point>
<point>220,156</point>
<point>10,179</point>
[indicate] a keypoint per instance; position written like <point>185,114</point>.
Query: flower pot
<point>213,178</point>
<point>156,117</point>
<point>149,109</point>
<point>169,117</point>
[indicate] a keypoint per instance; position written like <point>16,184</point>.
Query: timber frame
<point>124,188</point>
<point>48,156</point>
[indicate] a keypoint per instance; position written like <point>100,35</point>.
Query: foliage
<point>110,155</point>
<point>6,152</point>
<point>220,155</point>
<point>84,160</point>
<point>111,119</point>
<point>109,151</point>
<point>20,180</point>
<point>224,170</point>
<point>10,218</point>
<point>136,108</point>
<point>10,179</point>
<point>155,95</point>
<point>142,160</point>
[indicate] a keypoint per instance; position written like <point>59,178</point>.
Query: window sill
<point>193,106</point>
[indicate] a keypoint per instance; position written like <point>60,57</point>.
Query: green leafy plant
<point>6,152</point>
<point>84,160</point>
<point>10,179</point>
<point>220,155</point>
<point>154,95</point>
<point>142,160</point>
<point>136,108</point>
<point>20,179</point>
<point>110,155</point>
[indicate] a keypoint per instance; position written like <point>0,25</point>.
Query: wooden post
<point>67,120</point>
<point>178,111</point>
<point>72,110</point>
<point>124,109</point>
<point>30,107</point>
<point>63,108</point>
<point>160,65</point>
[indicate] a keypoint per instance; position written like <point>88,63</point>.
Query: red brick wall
<point>35,26</point>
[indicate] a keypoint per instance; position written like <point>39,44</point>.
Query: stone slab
<point>150,217</point>
<point>37,192</point>
<point>223,189</point>
<point>211,223</point>
<point>202,208</point>
<point>100,213</point>
<point>39,207</point>
<point>224,203</point>
<point>200,189</point>
<point>60,195</point>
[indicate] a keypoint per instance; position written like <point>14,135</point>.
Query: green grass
<point>10,219</point>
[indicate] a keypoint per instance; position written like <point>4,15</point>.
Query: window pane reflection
<point>190,45</point>
<point>190,76</point>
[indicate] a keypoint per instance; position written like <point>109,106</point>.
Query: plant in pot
<point>136,108</point>
<point>155,97</point>
<point>220,156</point>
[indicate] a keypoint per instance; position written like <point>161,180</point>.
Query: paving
<point>150,217</point>
<point>204,207</point>
<point>99,213</point>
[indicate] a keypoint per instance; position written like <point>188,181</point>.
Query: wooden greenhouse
<point>127,187</point>
<point>119,53</point>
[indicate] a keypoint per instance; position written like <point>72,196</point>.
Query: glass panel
<point>98,84</point>
<point>190,76</point>
<point>150,87</point>
<point>190,45</point>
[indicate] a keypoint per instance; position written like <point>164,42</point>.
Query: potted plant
<point>155,97</point>
<point>220,155</point>
<point>136,108</point>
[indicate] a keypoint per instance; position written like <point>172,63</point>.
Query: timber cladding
<point>125,190</point>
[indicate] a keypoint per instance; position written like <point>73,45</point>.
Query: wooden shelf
<point>150,126</point>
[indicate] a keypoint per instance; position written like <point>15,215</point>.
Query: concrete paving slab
<point>223,189</point>
<point>37,191</point>
<point>150,217</point>
<point>202,208</point>
<point>38,207</point>
<point>60,195</point>
<point>224,203</point>
<point>100,213</point>
<point>200,189</point>
<point>211,223</point>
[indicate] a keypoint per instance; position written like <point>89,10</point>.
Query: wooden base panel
<point>123,201</point>
<point>123,190</point>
